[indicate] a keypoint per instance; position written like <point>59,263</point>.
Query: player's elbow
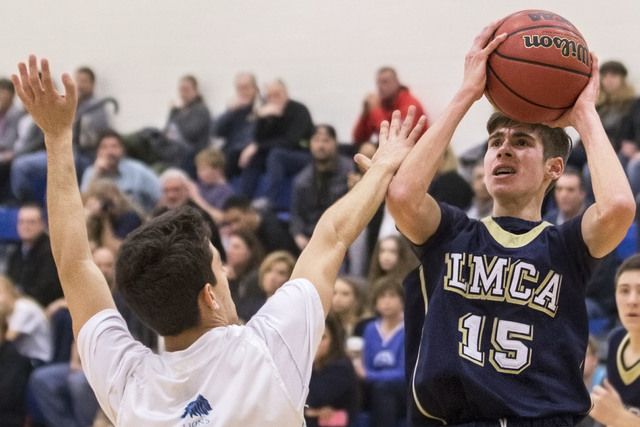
<point>620,210</point>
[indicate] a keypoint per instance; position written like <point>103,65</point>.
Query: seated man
<point>214,371</point>
<point>134,178</point>
<point>281,145</point>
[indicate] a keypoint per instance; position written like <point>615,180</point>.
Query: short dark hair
<point>630,263</point>
<point>110,133</point>
<point>574,171</point>
<point>613,67</point>
<point>327,128</point>
<point>7,84</point>
<point>386,284</point>
<point>161,268</point>
<point>88,71</point>
<point>555,141</point>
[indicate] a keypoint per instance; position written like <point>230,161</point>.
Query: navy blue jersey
<point>496,325</point>
<point>625,379</point>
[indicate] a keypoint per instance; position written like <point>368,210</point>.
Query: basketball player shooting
<point>495,317</point>
<point>214,372</point>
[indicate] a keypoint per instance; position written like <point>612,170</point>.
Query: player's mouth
<point>503,170</point>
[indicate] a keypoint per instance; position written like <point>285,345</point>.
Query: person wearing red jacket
<point>378,107</point>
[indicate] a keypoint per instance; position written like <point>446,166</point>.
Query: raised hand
<point>475,62</point>
<point>586,101</point>
<point>51,111</point>
<point>395,141</point>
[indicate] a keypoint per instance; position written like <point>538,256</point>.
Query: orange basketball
<point>540,69</point>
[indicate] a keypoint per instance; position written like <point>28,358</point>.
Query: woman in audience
<point>392,256</point>
<point>275,270</point>
<point>332,390</point>
<point>244,255</point>
<point>349,304</point>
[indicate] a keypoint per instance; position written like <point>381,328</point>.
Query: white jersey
<point>31,322</point>
<point>253,375</point>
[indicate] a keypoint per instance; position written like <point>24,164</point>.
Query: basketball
<point>540,69</point>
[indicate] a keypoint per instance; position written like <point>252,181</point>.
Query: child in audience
<point>382,365</point>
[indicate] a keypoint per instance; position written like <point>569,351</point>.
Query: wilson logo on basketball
<point>567,47</point>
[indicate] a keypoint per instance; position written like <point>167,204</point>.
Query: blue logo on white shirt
<point>197,408</point>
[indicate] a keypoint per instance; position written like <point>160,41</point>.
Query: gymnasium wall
<point>326,51</point>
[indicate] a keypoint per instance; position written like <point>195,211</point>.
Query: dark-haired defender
<point>214,372</point>
<point>496,326</point>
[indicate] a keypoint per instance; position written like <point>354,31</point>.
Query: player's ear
<point>208,297</point>
<point>555,167</point>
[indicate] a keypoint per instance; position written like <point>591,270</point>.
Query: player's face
<point>343,297</point>
<point>628,299</point>
<point>514,165</point>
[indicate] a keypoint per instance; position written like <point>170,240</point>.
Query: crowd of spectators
<point>261,174</point>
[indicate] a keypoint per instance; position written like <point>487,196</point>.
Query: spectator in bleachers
<point>350,306</point>
<point>319,184</point>
<point>9,119</point>
<point>594,373</point>
<point>91,115</point>
<point>236,126</point>
<point>244,255</point>
<point>570,196</point>
<point>273,234</point>
<point>110,214</point>
<point>15,370</point>
<point>274,271</point>
<point>482,203</point>
<point>212,182</point>
<point>448,185</point>
<point>615,98</point>
<point>332,397</point>
<point>391,96</point>
<point>176,185</point>
<point>28,326</point>
<point>31,266</point>
<point>280,148</point>
<point>392,257</point>
<point>188,127</point>
<point>382,365</point>
<point>132,177</point>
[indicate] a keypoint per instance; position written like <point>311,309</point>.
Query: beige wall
<point>327,51</point>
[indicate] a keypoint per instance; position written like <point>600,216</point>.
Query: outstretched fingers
<point>23,87</point>
<point>417,130</point>
<point>407,125</point>
<point>395,124</point>
<point>34,76</point>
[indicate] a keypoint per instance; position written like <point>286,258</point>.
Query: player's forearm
<point>69,242</point>
<point>351,214</point>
